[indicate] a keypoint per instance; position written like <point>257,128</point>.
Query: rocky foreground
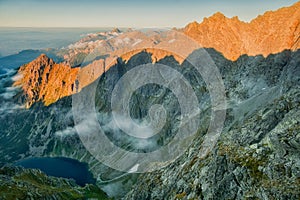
<point>19,183</point>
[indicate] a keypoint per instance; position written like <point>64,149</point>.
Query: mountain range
<point>230,36</point>
<point>256,155</point>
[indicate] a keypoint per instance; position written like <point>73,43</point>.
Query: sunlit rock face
<point>44,80</point>
<point>270,33</point>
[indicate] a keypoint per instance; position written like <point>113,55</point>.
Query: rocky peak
<point>218,16</point>
<point>41,62</point>
<point>44,80</point>
<point>43,58</point>
<point>116,30</point>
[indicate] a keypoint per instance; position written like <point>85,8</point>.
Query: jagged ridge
<point>270,33</point>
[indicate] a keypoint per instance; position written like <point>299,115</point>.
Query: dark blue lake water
<point>61,167</point>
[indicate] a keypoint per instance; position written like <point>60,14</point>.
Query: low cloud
<point>9,93</point>
<point>85,126</point>
<point>129,124</point>
<point>110,127</point>
<point>69,131</point>
<point>9,107</point>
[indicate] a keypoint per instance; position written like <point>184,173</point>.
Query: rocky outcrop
<point>272,32</point>
<point>44,80</point>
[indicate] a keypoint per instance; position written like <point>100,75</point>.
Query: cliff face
<point>257,154</point>
<point>46,81</point>
<point>270,33</point>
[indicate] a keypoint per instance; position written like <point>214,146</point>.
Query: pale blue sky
<point>122,13</point>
